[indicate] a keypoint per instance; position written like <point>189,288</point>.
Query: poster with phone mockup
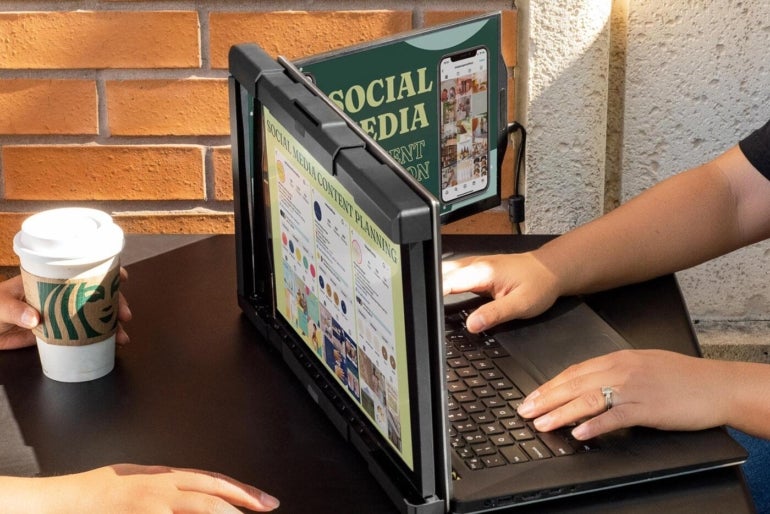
<point>435,100</point>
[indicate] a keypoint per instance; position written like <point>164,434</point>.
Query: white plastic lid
<point>69,233</point>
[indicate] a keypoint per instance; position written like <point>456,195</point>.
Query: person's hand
<point>17,318</point>
<point>651,388</point>
<point>129,488</point>
<point>521,286</point>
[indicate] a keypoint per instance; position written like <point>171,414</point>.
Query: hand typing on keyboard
<point>519,284</point>
<point>485,429</point>
<point>642,383</point>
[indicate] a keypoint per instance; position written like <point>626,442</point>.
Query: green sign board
<point>435,99</point>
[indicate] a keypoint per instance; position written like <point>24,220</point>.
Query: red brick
<point>10,223</point>
<point>99,39</point>
<point>43,106</point>
<point>277,32</point>
<point>168,107</point>
<point>193,222</point>
<point>76,172</point>
<point>223,173</point>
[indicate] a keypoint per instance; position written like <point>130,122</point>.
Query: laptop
<point>338,259</point>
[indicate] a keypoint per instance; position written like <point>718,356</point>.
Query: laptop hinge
<point>432,505</point>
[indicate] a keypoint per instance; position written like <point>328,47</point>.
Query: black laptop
<point>339,257</point>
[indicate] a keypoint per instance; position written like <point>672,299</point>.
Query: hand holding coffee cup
<point>70,265</point>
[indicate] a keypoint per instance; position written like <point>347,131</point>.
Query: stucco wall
<point>697,81</point>
<point>565,75</point>
<point>681,81</point>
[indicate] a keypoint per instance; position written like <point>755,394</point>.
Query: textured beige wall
<point>620,95</point>
<point>697,81</point>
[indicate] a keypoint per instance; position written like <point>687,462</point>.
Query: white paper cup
<point>70,265</point>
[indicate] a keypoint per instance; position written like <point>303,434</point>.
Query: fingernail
<point>29,319</point>
<point>526,408</point>
<point>580,433</point>
<point>530,399</point>
<point>269,501</point>
<point>543,422</point>
<point>476,323</point>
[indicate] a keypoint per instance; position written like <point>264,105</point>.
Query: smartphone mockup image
<point>464,123</point>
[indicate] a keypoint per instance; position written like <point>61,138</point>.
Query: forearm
<point>680,222</point>
<point>747,397</point>
<point>22,495</point>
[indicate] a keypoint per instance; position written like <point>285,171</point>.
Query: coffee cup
<point>70,266</point>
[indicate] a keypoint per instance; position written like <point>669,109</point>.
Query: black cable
<point>516,200</point>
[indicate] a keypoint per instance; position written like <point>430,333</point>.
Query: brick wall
<point>123,105</point>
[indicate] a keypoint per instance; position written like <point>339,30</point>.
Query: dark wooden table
<point>197,388</point>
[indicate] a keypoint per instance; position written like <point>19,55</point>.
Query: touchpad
<point>568,333</point>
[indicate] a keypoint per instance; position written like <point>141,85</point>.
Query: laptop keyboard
<point>484,429</point>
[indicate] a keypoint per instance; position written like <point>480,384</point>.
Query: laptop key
<point>503,439</point>
<point>484,449</point>
<point>484,392</point>
<point>466,346</point>
<point>494,402</point>
<point>492,428</point>
<point>490,343</point>
<point>474,355</point>
<point>474,463</point>
<point>458,362</point>
<point>465,453</point>
<point>503,412</point>
<point>475,382</point>
<point>522,434</point>
<point>494,353</point>
<point>466,372</point>
<point>464,396</point>
<point>514,454</point>
<point>463,427</point>
<point>472,407</point>
<point>513,423</point>
<point>482,364</point>
<point>556,443</point>
<point>536,450</point>
<point>483,417</point>
<point>496,380</point>
<point>492,461</point>
<point>511,394</point>
<point>474,438</point>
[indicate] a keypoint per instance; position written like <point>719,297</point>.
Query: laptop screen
<point>338,269</point>
<point>338,283</point>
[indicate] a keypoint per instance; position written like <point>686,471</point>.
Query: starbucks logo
<point>78,311</point>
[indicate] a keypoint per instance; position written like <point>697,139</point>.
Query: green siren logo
<point>78,311</point>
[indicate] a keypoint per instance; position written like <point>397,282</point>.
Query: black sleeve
<point>756,148</point>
